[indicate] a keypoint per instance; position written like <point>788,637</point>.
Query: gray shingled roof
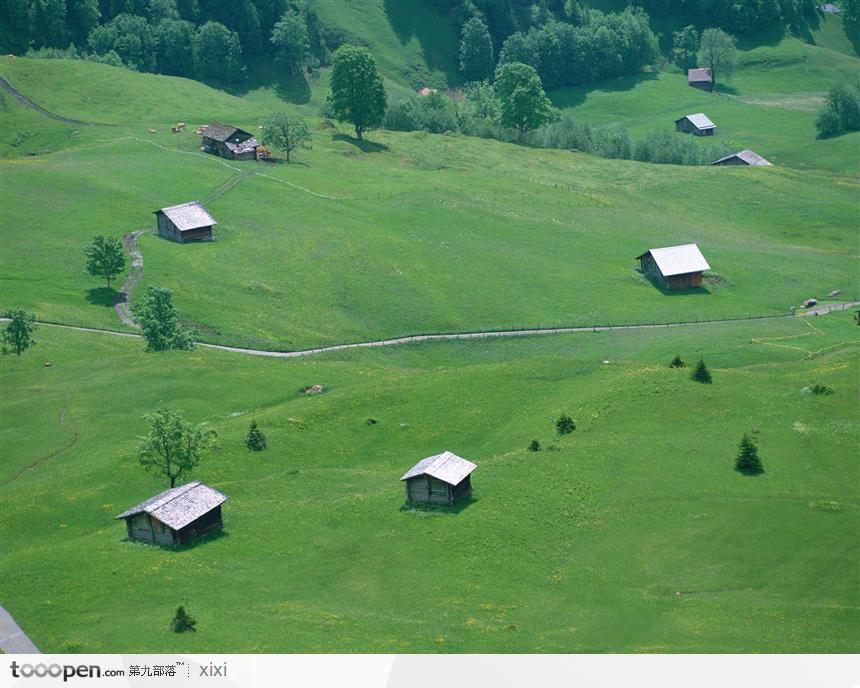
<point>678,260</point>
<point>179,506</point>
<point>246,146</point>
<point>699,74</point>
<point>699,120</point>
<point>748,156</point>
<point>447,467</point>
<point>218,131</point>
<point>189,215</point>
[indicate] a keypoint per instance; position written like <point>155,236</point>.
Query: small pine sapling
<point>701,372</point>
<point>747,460</point>
<point>677,362</point>
<point>256,440</point>
<point>182,621</point>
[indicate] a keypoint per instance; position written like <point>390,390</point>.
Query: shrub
<point>677,362</point>
<point>534,446</point>
<point>701,372</point>
<point>565,425</point>
<point>822,389</point>
<point>182,621</point>
<point>747,460</point>
<point>256,440</point>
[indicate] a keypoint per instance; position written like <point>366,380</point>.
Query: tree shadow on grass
<point>104,296</point>
<point>362,144</point>
<point>293,89</point>
<point>770,36</point>
<point>571,96</point>
<point>424,508</point>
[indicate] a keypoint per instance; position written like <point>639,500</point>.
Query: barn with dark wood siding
<point>185,222</point>
<point>175,516</point>
<point>229,142</point>
<point>440,479</point>
<point>675,267</point>
<point>697,124</point>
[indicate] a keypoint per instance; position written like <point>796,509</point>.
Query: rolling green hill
<point>633,534</point>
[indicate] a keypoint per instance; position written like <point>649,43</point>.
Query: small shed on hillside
<point>439,479</point>
<point>185,222</point>
<point>700,77</point>
<point>675,267</point>
<point>829,8</point>
<point>744,157</point>
<point>697,124</point>
<point>229,142</point>
<point>175,516</point>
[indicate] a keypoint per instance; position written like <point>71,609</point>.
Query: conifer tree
<point>256,440</point>
<point>182,621</point>
<point>701,372</point>
<point>747,461</point>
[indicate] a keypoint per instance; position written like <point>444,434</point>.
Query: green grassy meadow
<point>632,534</point>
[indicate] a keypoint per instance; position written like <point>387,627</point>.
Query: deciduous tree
<point>523,105</point>
<point>357,95</point>
<point>159,322</point>
<point>291,42</point>
<point>18,333</point>
<point>105,257</point>
<point>476,51</point>
<point>717,52</point>
<point>286,132</point>
<point>172,448</point>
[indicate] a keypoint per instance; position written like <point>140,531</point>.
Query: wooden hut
<point>185,222</point>
<point>175,516</point>
<point>675,267</point>
<point>229,142</point>
<point>700,77</point>
<point>697,124</point>
<point>440,479</point>
<point>744,157</point>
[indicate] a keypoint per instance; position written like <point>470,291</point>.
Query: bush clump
<point>677,362</point>
<point>534,446</point>
<point>565,425</point>
<point>255,440</point>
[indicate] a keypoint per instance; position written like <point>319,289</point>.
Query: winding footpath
<point>13,641</point>
<point>26,102</point>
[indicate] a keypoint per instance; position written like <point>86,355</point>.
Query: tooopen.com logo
<point>64,671</point>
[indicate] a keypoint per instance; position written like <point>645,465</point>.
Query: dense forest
<point>222,40</point>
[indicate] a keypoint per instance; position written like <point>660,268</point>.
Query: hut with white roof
<point>185,222</point>
<point>697,124</point>
<point>175,516</point>
<point>675,267</point>
<point>439,479</point>
<point>744,157</point>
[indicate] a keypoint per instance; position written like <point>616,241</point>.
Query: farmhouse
<point>744,157</point>
<point>696,124</point>
<point>675,267</point>
<point>700,77</point>
<point>176,515</point>
<point>440,479</point>
<point>185,222</point>
<point>229,142</point>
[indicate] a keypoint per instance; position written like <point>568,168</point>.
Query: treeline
<point>205,39</point>
<point>733,16</point>
<point>608,45</point>
<point>479,114</point>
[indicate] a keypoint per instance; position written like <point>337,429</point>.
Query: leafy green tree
<point>564,425</point>
<point>534,446</point>
<point>18,333</point>
<point>523,105</point>
<point>84,16</point>
<point>840,111</point>
<point>16,16</point>
<point>182,621</point>
<point>685,46</point>
<point>218,53</point>
<point>701,373</point>
<point>176,47</point>
<point>827,122</point>
<point>717,52</point>
<point>49,24</point>
<point>437,113</point>
<point>850,13</point>
<point>105,257</point>
<point>131,37</point>
<point>286,132</point>
<point>158,10</point>
<point>291,42</point>
<point>159,323</point>
<point>357,95</point>
<point>255,440</point>
<point>172,447</point>
<point>476,51</point>
<point>747,460</point>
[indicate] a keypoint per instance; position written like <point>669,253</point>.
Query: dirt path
<point>135,257</point>
<point>13,641</point>
<point>820,310</point>
<point>50,455</point>
<point>26,102</point>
